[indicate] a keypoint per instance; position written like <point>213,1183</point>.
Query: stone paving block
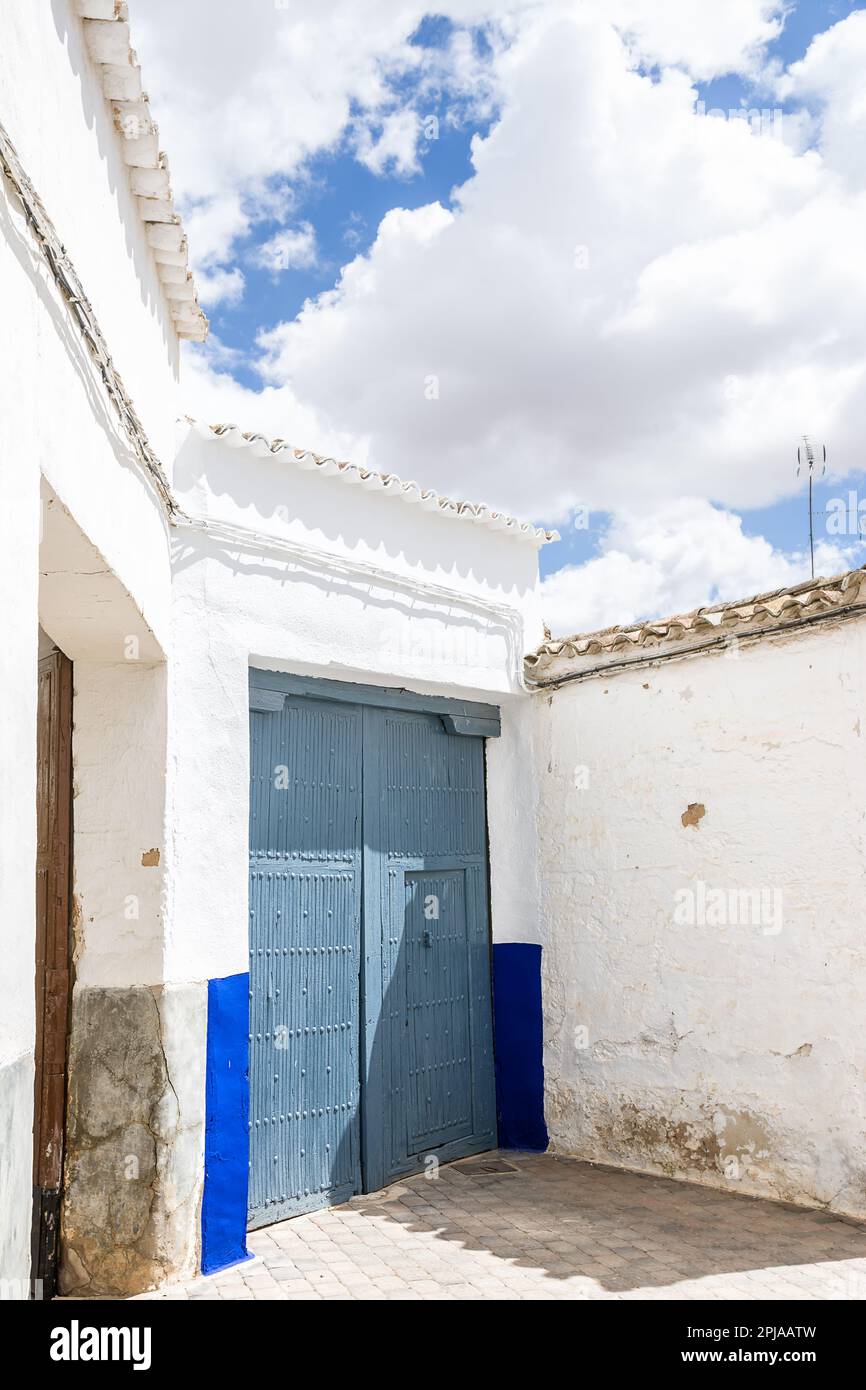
<point>554,1229</point>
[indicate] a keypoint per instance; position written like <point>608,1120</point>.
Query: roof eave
<point>387,484</point>
<point>106,33</point>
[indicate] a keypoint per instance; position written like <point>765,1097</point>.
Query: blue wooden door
<point>371,1043</point>
<point>429,1037</point>
<point>305,933</point>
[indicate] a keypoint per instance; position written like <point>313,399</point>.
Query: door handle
<point>426,938</point>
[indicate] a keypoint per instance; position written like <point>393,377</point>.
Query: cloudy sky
<point>597,262</point>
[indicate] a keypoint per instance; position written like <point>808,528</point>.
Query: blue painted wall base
<point>226,1141</point>
<point>518,1046</point>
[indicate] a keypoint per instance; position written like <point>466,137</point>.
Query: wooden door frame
<point>52,961</point>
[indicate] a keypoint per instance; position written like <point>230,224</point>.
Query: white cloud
<point>213,225</point>
<point>220,286</point>
<point>832,75</point>
<point>629,303</point>
<point>672,561</point>
<point>213,394</point>
<point>394,146</point>
<point>707,39</point>
<point>290,249</point>
<point>248,94</point>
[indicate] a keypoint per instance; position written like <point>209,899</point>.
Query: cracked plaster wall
<point>135,1110</point>
<point>134,1137</point>
<point>57,422</point>
<point>692,1042</point>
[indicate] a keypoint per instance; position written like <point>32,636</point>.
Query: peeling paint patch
<point>805,1050</point>
<point>693,813</point>
<point>76,917</point>
<point>713,1144</point>
<point>150,858</point>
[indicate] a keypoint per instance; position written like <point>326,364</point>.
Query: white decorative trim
<point>388,484</point>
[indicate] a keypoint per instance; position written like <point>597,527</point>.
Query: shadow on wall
<point>463,634</point>
<point>328,511</point>
<point>23,248</point>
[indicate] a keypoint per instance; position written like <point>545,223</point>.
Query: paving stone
<point>554,1229</point>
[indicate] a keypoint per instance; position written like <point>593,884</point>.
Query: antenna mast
<point>806,455</point>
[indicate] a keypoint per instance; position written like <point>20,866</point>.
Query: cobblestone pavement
<point>546,1228</point>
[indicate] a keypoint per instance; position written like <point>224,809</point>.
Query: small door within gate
<point>371,1047</point>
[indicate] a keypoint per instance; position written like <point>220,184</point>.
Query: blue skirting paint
<point>518,1046</point>
<point>226,1140</point>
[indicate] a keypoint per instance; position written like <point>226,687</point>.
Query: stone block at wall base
<point>135,1124</point>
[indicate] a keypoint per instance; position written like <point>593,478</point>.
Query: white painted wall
<point>55,112</point>
<point>372,590</point>
<point>56,416</point>
<point>119,758</point>
<point>733,1055</point>
<point>56,422</point>
<point>19,570</point>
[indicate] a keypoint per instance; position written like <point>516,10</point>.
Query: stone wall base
<point>135,1134</point>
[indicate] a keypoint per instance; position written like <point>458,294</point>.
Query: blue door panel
<point>371,1042</point>
<point>436,964</point>
<point>305,922</point>
<point>431,802</point>
<point>430,1085</point>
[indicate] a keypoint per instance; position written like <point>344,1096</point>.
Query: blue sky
<point>345,201</point>
<point>608,389</point>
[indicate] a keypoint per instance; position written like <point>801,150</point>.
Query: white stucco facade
<point>691,1027</point>
<point>296,572</point>
<point>85,535</point>
<point>627,810</point>
<point>56,414</point>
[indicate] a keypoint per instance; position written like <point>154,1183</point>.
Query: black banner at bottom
<point>158,1336</point>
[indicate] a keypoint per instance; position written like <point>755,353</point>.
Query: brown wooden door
<point>53,874</point>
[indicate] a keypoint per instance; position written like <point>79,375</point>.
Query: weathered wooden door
<point>53,866</point>
<point>371,1044</point>
<point>305,932</point>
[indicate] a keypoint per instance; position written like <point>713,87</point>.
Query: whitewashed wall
<point>729,1054</point>
<point>56,416</point>
<point>19,570</point>
<point>105,554</point>
<point>375,591</point>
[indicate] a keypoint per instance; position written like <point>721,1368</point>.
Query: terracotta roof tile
<point>777,607</point>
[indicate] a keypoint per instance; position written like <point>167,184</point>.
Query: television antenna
<point>806,458</point>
